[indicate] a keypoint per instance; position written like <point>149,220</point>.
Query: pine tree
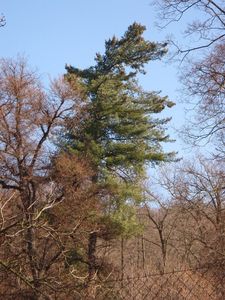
<point>119,134</point>
<point>116,130</point>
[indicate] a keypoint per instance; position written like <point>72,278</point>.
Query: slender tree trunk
<point>163,249</point>
<point>30,241</point>
<point>122,260</point>
<point>143,252</point>
<point>92,265</point>
<point>138,252</point>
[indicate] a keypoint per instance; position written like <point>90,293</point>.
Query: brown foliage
<point>30,244</point>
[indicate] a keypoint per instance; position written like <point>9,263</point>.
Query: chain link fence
<point>198,284</point>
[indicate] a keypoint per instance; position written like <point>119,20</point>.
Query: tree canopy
<point>119,133</point>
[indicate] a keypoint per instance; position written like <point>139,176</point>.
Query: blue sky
<point>51,33</point>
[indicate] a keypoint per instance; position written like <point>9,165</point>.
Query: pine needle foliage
<point>118,129</point>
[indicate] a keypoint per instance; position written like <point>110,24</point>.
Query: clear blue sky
<point>51,33</point>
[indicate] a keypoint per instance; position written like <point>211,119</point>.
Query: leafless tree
<point>158,217</point>
<point>204,82</point>
<point>198,189</point>
<point>208,28</point>
<point>203,71</point>
<point>29,115</point>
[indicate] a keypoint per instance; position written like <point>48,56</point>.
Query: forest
<point>80,216</point>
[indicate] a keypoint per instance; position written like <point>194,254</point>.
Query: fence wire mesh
<point>198,284</point>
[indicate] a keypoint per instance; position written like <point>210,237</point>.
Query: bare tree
<point>203,72</point>
<point>28,118</point>
<point>198,189</point>
<point>206,81</point>
<point>208,28</point>
<point>158,217</point>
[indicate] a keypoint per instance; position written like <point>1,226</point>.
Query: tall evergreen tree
<point>115,128</point>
